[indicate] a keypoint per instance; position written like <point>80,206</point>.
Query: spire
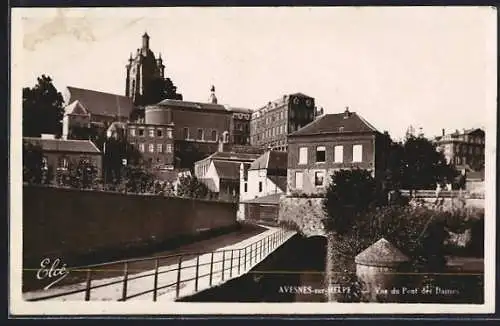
<point>145,41</point>
<point>213,98</point>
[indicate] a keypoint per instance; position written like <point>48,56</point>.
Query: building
<point>145,77</point>
<point>92,109</point>
<point>197,127</point>
<point>240,126</point>
<point>221,172</point>
<point>62,154</point>
<point>201,167</point>
<point>330,143</point>
<point>270,124</point>
<point>262,184</point>
<point>155,142</point>
<point>464,149</point>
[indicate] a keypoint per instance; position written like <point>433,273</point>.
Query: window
<point>63,163</point>
<point>141,147</point>
<point>141,132</point>
<point>339,154</point>
<point>214,135</point>
<point>200,134</point>
<point>151,148</point>
<point>169,133</point>
<point>169,148</point>
<point>159,132</point>
<point>357,153</point>
<point>470,150</point>
<point>151,132</point>
<point>319,178</point>
<point>245,187</point>
<point>299,180</point>
<point>45,163</point>
<point>260,186</point>
<point>185,134</point>
<point>320,154</point>
<point>226,137</point>
<point>159,148</point>
<point>132,132</point>
<point>303,155</point>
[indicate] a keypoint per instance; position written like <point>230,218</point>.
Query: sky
<point>430,67</point>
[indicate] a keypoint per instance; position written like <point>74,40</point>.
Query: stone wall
<point>66,222</point>
<point>306,213</point>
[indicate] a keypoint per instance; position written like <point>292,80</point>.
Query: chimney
<point>220,147</point>
<point>442,130</point>
<point>347,114</point>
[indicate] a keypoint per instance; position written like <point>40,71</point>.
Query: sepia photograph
<point>260,160</point>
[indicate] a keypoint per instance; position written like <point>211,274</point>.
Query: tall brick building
<point>330,143</point>
<point>271,123</point>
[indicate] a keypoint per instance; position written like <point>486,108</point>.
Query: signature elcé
<point>50,271</point>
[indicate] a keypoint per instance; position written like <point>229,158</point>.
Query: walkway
<point>170,277</point>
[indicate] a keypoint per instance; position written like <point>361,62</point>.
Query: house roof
<point>233,156</point>
<point>193,105</point>
<point>300,94</point>
<point>337,123</point>
<point>240,110</point>
<point>271,160</point>
<point>228,170</point>
<point>279,180</point>
<point>100,103</point>
<point>269,199</point>
<point>61,145</point>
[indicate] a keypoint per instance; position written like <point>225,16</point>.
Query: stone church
<point>146,83</point>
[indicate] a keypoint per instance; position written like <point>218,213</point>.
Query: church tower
<point>145,82</point>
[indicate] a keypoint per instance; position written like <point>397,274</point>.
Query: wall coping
<point>381,254</point>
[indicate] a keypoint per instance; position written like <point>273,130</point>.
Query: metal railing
<point>234,262</point>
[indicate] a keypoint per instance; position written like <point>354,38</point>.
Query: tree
<point>82,175</point>
<point>137,180</point>
<point>350,193</point>
<point>116,153</point>
<point>42,109</point>
<point>191,187</point>
<point>423,165</point>
<point>32,163</point>
<point>416,164</point>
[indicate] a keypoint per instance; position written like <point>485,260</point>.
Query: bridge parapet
<point>305,213</point>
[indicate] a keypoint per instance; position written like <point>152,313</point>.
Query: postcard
<point>218,160</point>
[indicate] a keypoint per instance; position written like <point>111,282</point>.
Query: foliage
<point>419,232</point>
<point>137,180</point>
<point>32,163</point>
<point>42,109</point>
<point>416,164</point>
<point>82,175</point>
<point>116,153</point>
<point>349,193</point>
<point>191,187</point>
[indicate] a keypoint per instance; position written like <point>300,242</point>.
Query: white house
<point>265,177</point>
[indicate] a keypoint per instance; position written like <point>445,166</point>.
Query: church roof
<point>100,103</point>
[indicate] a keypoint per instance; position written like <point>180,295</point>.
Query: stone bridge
<point>305,213</point>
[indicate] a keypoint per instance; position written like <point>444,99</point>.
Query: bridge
<point>168,278</point>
